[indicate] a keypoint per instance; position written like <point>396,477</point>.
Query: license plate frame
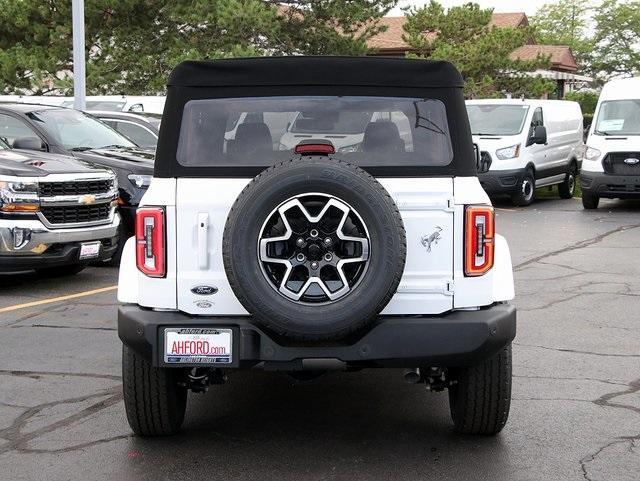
<point>89,250</point>
<point>202,334</point>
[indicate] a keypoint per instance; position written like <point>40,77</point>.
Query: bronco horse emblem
<point>427,240</point>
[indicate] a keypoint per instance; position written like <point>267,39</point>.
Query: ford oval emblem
<point>631,161</point>
<point>204,290</point>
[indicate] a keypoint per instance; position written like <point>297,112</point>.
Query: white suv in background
<point>527,144</point>
<point>248,256</point>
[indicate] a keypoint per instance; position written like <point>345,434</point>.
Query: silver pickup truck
<point>57,214</point>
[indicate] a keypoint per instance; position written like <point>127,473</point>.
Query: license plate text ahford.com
<point>198,345</point>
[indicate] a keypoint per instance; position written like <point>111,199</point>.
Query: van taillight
<point>150,241</point>
<point>479,231</point>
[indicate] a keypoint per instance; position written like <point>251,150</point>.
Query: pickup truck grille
<point>75,214</point>
<point>51,189</point>
<point>614,163</point>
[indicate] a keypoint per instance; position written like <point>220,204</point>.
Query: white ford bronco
<point>304,258</point>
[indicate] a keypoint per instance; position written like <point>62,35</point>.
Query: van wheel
<point>154,400</point>
<point>480,397</point>
<point>590,201</point>
<point>568,187</point>
<point>526,190</point>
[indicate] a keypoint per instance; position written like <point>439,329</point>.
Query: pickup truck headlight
<point>140,180</point>
<point>591,154</point>
<point>508,152</point>
<point>18,195</point>
<point>350,148</point>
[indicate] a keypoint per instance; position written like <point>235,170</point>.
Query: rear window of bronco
<point>257,131</point>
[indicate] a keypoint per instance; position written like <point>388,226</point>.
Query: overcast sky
<point>528,6</point>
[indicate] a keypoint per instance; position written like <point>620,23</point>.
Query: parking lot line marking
<point>57,299</point>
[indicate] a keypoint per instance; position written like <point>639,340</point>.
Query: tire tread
<point>481,399</point>
<point>154,402</point>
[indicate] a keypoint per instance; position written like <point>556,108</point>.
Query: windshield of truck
<point>496,119</point>
<point>618,117</point>
<point>259,131</point>
<point>76,131</point>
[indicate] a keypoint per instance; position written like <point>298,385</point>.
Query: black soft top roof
<point>356,71</point>
<point>314,76</point>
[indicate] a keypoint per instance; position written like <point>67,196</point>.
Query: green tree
<point>328,27</point>
<point>132,45</point>
<point>617,38</point>
<point>566,23</point>
<point>587,100</point>
<point>482,53</point>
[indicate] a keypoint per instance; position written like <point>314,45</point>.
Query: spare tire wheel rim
<point>314,248</point>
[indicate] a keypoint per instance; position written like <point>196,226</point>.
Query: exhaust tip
<point>412,376</point>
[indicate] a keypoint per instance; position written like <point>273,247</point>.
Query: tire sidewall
<point>519,198</point>
<point>568,187</point>
<point>273,309</point>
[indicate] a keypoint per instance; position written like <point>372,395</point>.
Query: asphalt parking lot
<point>576,400</point>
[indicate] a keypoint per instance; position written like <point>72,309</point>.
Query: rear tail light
<point>479,231</point>
<point>150,241</point>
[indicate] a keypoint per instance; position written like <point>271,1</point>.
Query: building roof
<point>560,55</point>
<point>391,39</point>
<point>505,20</point>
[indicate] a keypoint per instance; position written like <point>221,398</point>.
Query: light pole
<point>77,13</point>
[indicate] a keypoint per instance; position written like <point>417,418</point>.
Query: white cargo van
<point>611,165</point>
<point>526,144</point>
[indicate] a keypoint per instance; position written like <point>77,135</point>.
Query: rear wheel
<point>590,201</point>
<point>568,186</point>
<point>480,397</point>
<point>526,190</point>
<point>154,400</point>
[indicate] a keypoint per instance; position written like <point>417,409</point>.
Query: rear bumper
<point>501,181</point>
<point>610,186</point>
<point>457,338</point>
<point>43,247</point>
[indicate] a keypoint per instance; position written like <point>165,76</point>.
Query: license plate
<point>89,250</point>
<point>197,345</point>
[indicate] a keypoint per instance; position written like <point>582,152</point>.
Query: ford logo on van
<point>204,290</point>
<point>631,161</point>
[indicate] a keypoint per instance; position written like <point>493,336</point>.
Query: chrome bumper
<point>31,237</point>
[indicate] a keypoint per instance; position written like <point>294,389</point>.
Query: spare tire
<point>314,248</point>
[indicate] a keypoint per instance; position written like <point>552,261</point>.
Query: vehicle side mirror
<point>539,135</point>
<point>483,162</point>
<point>28,143</point>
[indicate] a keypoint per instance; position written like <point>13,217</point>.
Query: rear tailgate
<point>426,205</point>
